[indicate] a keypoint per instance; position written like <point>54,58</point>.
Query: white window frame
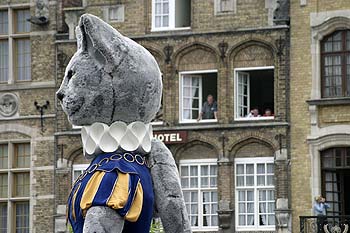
<point>199,72</point>
<point>236,110</point>
<point>172,15</point>
<point>11,36</point>
<point>218,10</point>
<point>107,13</point>
<point>254,161</point>
<point>198,163</point>
<point>11,201</point>
<point>78,167</point>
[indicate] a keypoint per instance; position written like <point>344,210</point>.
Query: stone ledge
<point>329,101</point>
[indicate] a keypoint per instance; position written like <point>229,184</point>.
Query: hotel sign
<point>171,137</point>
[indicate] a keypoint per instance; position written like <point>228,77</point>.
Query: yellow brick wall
<point>300,72</point>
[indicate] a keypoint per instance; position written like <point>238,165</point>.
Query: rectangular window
<point>255,198</point>
<point>22,25</point>
<point>225,6</point>
<point>116,13</point>
<point>14,183</point>
<point>22,155</point>
<point>3,156</point>
<point>335,64</point>
<point>3,185</point>
<point>22,217</point>
<point>22,184</point>
<point>3,217</point>
<point>15,39</point>
<point>171,14</point>
<point>195,88</point>
<point>3,22</point>
<point>77,170</point>
<point>23,56</point>
<point>4,60</point>
<point>199,185</point>
<point>254,93</point>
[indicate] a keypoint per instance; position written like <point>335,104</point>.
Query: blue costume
<point>121,181</point>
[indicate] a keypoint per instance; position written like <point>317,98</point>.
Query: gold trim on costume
<point>90,190</point>
<point>119,195</point>
<point>136,207</point>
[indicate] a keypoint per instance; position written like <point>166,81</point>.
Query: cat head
<point>110,78</point>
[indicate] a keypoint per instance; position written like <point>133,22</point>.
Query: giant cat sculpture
<point>112,86</point>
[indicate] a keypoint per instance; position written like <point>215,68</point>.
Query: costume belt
<point>102,161</point>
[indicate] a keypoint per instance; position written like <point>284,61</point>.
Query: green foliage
<point>156,226</point>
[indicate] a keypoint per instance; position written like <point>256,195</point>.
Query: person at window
<point>209,109</point>
<point>268,113</point>
<point>254,113</point>
<point>320,208</point>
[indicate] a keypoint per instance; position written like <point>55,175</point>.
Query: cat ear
<point>101,41</point>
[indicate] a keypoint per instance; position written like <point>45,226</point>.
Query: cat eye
<point>70,74</point>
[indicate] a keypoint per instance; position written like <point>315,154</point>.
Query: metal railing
<point>324,224</point>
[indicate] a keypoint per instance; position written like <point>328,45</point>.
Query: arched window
<point>335,179</point>
<point>335,60</point>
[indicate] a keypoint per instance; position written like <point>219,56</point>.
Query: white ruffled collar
<point>100,137</point>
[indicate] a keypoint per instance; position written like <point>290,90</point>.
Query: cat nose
<point>60,96</point>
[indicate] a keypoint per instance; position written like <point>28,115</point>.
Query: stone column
<point>225,213</point>
<point>283,213</point>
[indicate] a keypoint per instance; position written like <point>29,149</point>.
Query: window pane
<point>4,57</point>
<point>3,185</point>
<point>204,170</point>
<point>240,169</point>
<point>3,22</point>
<point>22,155</point>
<point>3,156</point>
<point>250,169</point>
<point>23,57</point>
<point>22,25</point>
<point>21,184</point>
<point>22,217</point>
<point>3,217</point>
<point>184,171</point>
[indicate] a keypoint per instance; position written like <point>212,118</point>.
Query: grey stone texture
<point>103,219</point>
<point>110,78</point>
<point>169,202</point>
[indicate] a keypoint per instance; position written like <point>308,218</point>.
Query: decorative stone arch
<point>185,151</point>
<point>323,24</point>
<point>241,148</point>
<point>209,57</point>
<point>245,54</point>
<point>18,128</point>
<point>74,156</point>
<point>158,55</point>
<point>325,141</point>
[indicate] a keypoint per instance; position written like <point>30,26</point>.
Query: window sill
<point>255,118</point>
<point>264,229</point>
<point>170,29</point>
<point>204,229</point>
<point>330,101</point>
<point>198,122</point>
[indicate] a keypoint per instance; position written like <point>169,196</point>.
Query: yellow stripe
<point>136,207</point>
<point>73,201</point>
<point>90,190</point>
<point>120,194</point>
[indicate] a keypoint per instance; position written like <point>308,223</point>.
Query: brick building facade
<point>234,169</point>
<point>27,154</point>
<point>319,106</point>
